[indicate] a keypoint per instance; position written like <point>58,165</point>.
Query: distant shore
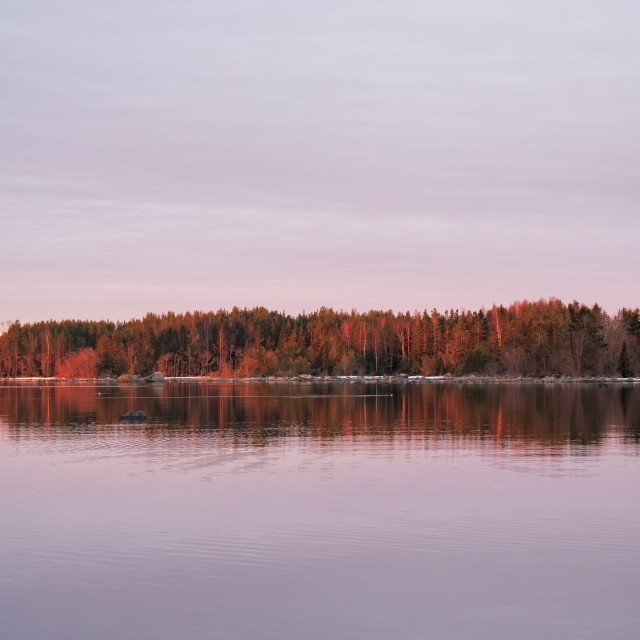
<point>311,379</point>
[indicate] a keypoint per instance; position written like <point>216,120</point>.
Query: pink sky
<point>346,154</point>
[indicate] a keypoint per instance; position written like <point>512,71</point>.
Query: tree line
<point>526,338</point>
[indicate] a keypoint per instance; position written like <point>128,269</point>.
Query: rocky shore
<point>407,379</point>
<point>159,378</point>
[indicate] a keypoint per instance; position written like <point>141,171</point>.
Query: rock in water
<point>134,416</point>
<point>156,376</point>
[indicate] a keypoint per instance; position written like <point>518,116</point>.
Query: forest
<point>540,338</point>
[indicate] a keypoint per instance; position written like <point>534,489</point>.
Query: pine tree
<point>625,369</point>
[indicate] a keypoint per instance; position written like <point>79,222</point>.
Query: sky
<point>359,154</point>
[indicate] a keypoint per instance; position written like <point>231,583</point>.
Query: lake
<point>310,511</point>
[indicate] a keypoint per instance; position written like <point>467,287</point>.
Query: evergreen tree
<point>625,369</point>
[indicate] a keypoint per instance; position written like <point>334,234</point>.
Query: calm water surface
<point>319,511</point>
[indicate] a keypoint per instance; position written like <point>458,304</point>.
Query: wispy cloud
<point>354,154</point>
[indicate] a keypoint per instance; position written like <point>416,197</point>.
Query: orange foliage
<point>81,364</point>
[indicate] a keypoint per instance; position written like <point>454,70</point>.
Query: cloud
<point>353,154</point>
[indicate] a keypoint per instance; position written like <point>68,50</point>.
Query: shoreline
<point>310,379</point>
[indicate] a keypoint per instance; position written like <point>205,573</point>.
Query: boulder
<point>156,376</point>
<point>134,416</point>
<point>129,377</point>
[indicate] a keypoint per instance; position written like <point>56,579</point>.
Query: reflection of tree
<point>258,413</point>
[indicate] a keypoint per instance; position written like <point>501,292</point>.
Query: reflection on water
<point>258,413</point>
<point>319,511</point>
